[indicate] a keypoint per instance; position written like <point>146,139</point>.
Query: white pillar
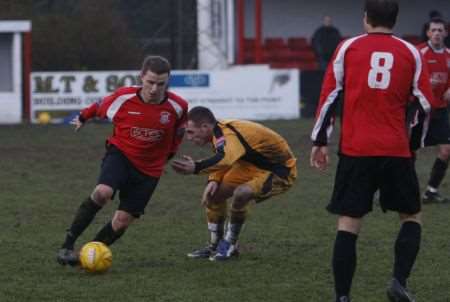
<point>11,98</point>
<point>230,32</point>
<point>213,50</point>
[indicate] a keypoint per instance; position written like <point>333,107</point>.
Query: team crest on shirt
<point>164,117</point>
<point>220,142</point>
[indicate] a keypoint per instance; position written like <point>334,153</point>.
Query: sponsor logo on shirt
<point>147,135</point>
<point>165,117</point>
<point>439,78</point>
<point>134,113</point>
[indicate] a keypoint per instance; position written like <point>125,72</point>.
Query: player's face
<point>198,134</point>
<point>437,33</point>
<point>154,86</point>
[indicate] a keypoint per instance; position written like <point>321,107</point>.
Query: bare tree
<point>92,36</point>
<point>106,34</point>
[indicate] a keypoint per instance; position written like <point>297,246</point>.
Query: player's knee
<point>121,220</point>
<point>241,196</point>
<point>222,194</point>
<point>243,192</point>
<point>215,199</point>
<point>349,224</point>
<point>444,153</point>
<point>216,205</point>
<point>411,217</point>
<point>102,194</point>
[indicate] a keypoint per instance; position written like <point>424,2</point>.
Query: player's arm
<point>422,89</point>
<point>97,109</point>
<point>329,94</point>
<point>85,114</point>
<point>423,100</point>
<point>180,128</point>
<point>326,111</point>
<point>227,153</point>
<point>446,95</point>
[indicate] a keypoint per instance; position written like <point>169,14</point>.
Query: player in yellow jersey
<point>251,163</point>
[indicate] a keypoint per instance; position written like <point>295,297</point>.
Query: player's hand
<point>185,166</point>
<point>446,95</point>
<point>77,123</point>
<point>434,82</point>
<point>319,157</point>
<point>210,190</point>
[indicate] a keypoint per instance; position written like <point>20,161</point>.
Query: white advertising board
<point>256,93</point>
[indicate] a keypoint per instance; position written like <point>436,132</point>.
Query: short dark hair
<point>156,64</point>
<point>200,115</point>
<point>435,14</point>
<point>381,12</point>
<point>438,21</point>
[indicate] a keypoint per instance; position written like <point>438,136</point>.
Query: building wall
<point>286,18</point>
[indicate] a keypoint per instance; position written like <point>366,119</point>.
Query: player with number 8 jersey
<point>375,73</point>
<point>378,71</point>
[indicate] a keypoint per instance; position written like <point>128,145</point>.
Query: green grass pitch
<point>46,171</point>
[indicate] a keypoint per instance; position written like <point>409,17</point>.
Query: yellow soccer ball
<point>95,257</point>
<point>44,118</point>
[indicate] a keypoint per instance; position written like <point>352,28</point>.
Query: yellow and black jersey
<point>238,140</point>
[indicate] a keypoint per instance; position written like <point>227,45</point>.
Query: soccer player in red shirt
<point>149,124</point>
<point>376,73</point>
<point>437,58</point>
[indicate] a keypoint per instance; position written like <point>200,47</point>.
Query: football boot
<point>203,253</point>
<point>225,251</point>
<point>397,293</point>
<point>67,256</point>
<point>433,197</point>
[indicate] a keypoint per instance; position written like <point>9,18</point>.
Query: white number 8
<point>382,81</point>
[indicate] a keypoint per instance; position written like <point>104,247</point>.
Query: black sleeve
<point>416,120</point>
<point>322,136</point>
<point>206,163</point>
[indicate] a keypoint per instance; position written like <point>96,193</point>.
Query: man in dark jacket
<point>324,41</point>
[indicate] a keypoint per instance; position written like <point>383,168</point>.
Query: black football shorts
<point>358,178</point>
<point>439,128</point>
<point>135,188</point>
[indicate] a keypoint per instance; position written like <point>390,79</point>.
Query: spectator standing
<point>325,40</point>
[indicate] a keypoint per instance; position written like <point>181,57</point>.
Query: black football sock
<point>437,173</point>
<point>344,262</point>
<point>407,247</point>
<point>107,235</point>
<point>84,216</point>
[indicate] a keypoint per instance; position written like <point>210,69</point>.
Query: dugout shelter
<point>15,68</point>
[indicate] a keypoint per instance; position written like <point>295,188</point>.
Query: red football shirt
<point>438,62</point>
<point>147,134</point>
<point>377,73</point>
